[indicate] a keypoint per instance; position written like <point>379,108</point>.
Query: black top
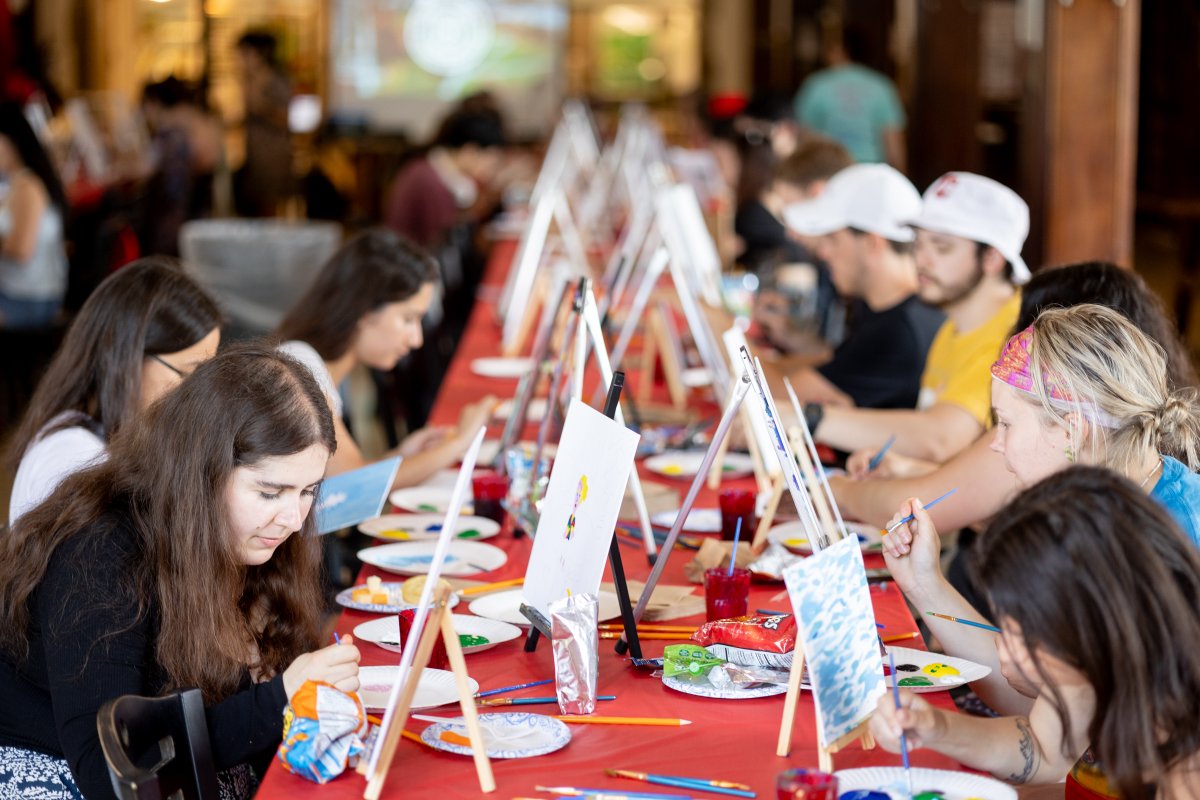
<point>88,644</point>
<point>766,239</point>
<point>880,363</point>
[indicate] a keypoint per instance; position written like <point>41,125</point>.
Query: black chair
<point>157,748</point>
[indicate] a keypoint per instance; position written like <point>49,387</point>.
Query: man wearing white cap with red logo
<point>862,220</point>
<point>969,235</point>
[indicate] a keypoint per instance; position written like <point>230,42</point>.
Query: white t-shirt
<point>306,355</point>
<point>49,460</point>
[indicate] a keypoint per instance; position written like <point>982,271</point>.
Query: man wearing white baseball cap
<point>969,235</point>
<point>862,221</point>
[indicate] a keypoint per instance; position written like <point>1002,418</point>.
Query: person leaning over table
<point>138,334</point>
<point>861,219</point>
<point>1081,385</point>
<point>969,235</point>
<point>365,308</point>
<point>173,565</point>
<point>984,485</point>
<point>1096,593</point>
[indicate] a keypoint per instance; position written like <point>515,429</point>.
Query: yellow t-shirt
<point>958,367</point>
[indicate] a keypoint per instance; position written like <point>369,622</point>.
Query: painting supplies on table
<point>900,637</point>
<point>576,647</point>
<point>878,457</point>
<point>716,787</point>
<point>504,689</point>
<point>903,737</point>
<point>925,507</point>
<point>531,701</point>
<point>665,722</point>
<point>962,621</point>
<point>490,587</point>
<point>608,794</point>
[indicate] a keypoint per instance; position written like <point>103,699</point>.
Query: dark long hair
<point>1098,575</point>
<point>1122,290</point>
<point>16,129</point>
<point>374,268</point>
<point>147,308</point>
<point>170,472</point>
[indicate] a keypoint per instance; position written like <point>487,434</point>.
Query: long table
<point>729,740</point>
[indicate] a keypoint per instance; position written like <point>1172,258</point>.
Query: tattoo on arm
<point>1029,751</point>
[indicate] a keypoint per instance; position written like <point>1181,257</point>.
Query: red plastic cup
<point>488,489</point>
<point>806,784</point>
<point>726,595</point>
<point>437,657</point>
<point>737,504</point>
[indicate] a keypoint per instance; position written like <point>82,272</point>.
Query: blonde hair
<point>1116,378</point>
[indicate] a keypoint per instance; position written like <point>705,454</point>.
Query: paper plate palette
<point>923,672</point>
<point>415,558</point>
<point>501,367</point>
<point>345,598</point>
<point>506,607</point>
<point>385,633</point>
<point>950,785</point>
<point>700,520</point>
<point>426,527</point>
<point>704,690</point>
<point>792,536</point>
<point>685,463</point>
<point>436,687</point>
<point>426,500</point>
<point>537,410</point>
<point>510,734</point>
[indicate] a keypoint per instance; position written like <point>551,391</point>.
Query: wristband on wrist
<point>813,414</point>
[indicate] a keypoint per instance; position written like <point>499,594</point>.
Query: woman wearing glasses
<point>140,332</point>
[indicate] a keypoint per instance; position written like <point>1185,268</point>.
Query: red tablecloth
<point>729,740</point>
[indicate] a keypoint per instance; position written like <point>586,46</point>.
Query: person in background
<point>33,210</point>
<point>187,154</point>
<point>330,184</point>
<point>187,560</point>
<point>853,104</point>
<point>1082,385</point>
<point>1096,592</point>
<point>145,328</point>
<point>968,254</point>
<point>861,219</point>
<point>265,179</point>
<point>984,485</point>
<point>365,308</point>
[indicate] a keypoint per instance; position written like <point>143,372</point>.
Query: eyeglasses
<point>169,366</point>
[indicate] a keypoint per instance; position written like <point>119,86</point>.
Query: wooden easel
<point>824,752</point>
<point>439,623</point>
<point>661,346</point>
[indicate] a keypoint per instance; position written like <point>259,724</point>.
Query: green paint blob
<point>917,681</point>
<point>466,640</point>
<point>469,533</point>
<point>427,507</point>
<point>929,795</point>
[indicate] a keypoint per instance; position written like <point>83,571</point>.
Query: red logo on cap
<point>944,185</point>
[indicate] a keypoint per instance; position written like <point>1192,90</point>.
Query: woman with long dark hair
<point>33,256</point>
<point>365,308</point>
<point>187,559</point>
<point>1096,592</point>
<point>139,333</point>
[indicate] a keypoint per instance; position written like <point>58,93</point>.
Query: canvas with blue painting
<point>836,627</point>
<point>352,497</point>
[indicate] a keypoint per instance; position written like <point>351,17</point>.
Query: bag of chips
<point>754,641</point>
<point>323,730</point>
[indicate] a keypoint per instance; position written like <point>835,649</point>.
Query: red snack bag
<point>754,641</point>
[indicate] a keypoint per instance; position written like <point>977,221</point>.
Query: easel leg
<point>789,704</point>
<point>622,589</point>
<point>768,517</point>
<point>466,701</point>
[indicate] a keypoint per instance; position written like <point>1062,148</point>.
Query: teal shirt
<point>1178,489</point>
<point>853,105</point>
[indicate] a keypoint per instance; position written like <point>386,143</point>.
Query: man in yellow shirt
<point>968,252</point>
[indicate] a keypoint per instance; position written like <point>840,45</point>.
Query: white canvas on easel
<point>580,510</point>
<point>758,436</point>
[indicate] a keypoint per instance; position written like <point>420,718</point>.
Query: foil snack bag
<point>575,635</point>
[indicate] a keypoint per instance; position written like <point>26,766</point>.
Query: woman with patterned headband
<point>1080,385</point>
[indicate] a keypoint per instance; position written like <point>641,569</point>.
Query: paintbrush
<point>903,737</point>
<point>504,689</point>
<point>717,787</point>
<point>648,635</point>
<point>925,507</point>
<point>962,621</point>
<point>577,791</point>
<point>875,459</point>
<point>530,701</point>
<point>659,721</point>
<point>651,628</point>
